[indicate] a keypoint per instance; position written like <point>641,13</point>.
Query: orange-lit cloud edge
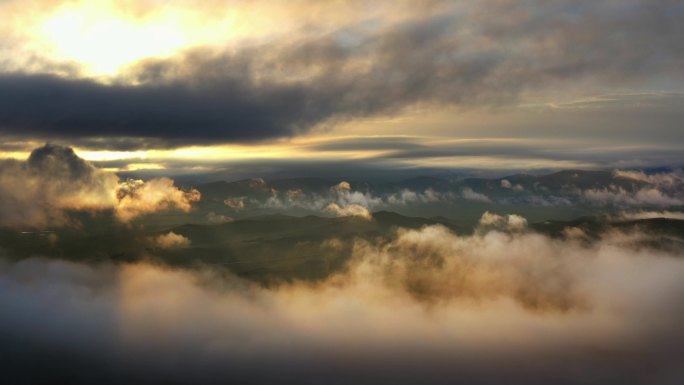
<point>130,32</point>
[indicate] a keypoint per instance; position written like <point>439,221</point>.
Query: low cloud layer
<point>427,306</point>
<point>654,190</point>
<point>54,180</point>
<point>583,191</point>
<point>339,199</point>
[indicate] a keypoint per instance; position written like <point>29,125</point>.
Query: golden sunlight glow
<point>306,148</point>
<point>291,149</point>
<point>103,40</point>
<point>99,156</point>
<point>105,36</point>
<point>494,163</point>
<point>18,155</point>
<point>144,166</point>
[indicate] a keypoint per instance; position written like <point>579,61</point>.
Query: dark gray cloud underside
<point>46,104</point>
<point>465,56</point>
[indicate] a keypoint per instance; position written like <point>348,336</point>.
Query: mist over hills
<point>282,228</point>
<point>556,181</point>
<point>405,192</point>
<point>561,195</point>
<point>177,291</point>
<point>150,281</point>
<point>282,247</point>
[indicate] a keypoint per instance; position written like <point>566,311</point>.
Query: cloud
<point>341,188</point>
<point>464,55</point>
<point>637,188</point>
<point>580,191</point>
<point>340,199</point>
<point>54,180</point>
<point>425,306</point>
<point>642,197</point>
<point>236,203</point>
<point>664,179</point>
<point>343,199</point>
<point>406,196</point>
<point>170,240</point>
<point>137,197</point>
<point>505,183</point>
<point>212,217</point>
<point>651,215</point>
<point>572,232</point>
<point>513,222</point>
<point>352,209</point>
<point>469,194</point>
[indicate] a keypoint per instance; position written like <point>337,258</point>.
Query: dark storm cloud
<point>61,107</point>
<point>479,54</point>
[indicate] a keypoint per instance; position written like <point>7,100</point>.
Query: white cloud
<point>471,195</point>
<point>505,183</point>
<point>508,222</point>
<point>212,217</point>
<point>170,240</point>
<point>651,215</point>
<point>352,209</point>
<point>647,196</point>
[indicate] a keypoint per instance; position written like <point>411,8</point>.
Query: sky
<point>310,87</point>
<point>342,191</point>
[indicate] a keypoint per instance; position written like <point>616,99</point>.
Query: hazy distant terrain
<point>404,192</point>
<point>113,280</point>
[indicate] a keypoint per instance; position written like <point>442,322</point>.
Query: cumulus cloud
<point>573,189</point>
<point>235,203</point>
<point>471,195</point>
<point>170,240</point>
<point>344,198</point>
<point>508,222</point>
<point>137,197</point>
<point>647,196</point>
<point>54,180</point>
<point>352,209</point>
<point>656,189</point>
<point>343,194</point>
<point>406,196</point>
<point>213,217</point>
<point>675,178</point>
<point>342,187</point>
<point>426,306</point>
<point>340,199</point>
<point>505,183</point>
<point>607,189</point>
